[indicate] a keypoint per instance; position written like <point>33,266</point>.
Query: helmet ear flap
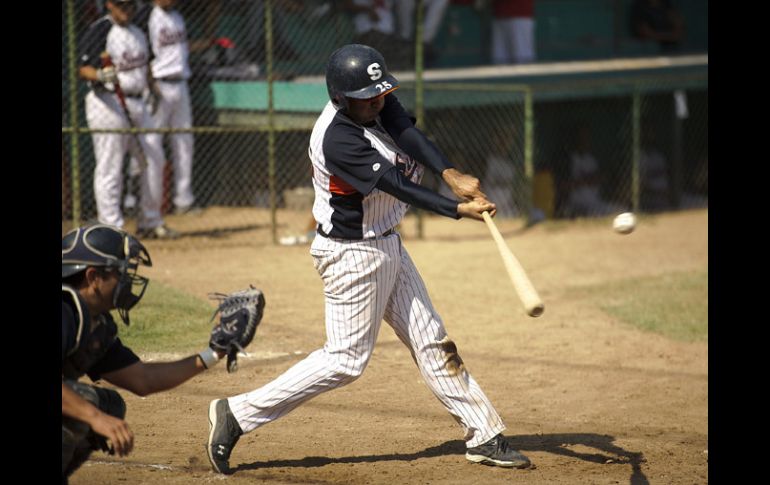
<point>341,101</point>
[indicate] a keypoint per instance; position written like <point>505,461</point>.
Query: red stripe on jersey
<point>338,186</point>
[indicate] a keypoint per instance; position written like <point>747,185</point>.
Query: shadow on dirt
<point>568,444</point>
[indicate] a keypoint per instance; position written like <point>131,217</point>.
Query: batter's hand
<point>116,431</point>
<point>474,208</point>
<point>466,187</point>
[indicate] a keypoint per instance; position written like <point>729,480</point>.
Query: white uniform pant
<point>364,283</point>
<point>103,110</point>
<point>432,18</point>
<point>513,40</point>
<point>174,111</point>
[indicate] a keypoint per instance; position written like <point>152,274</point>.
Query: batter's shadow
<point>607,453</point>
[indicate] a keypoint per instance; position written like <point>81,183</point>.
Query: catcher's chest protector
<point>92,338</point>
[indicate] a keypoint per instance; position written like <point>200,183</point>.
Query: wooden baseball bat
<point>107,62</point>
<point>527,293</point>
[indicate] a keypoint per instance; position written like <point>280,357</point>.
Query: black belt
<point>323,233</point>
<point>171,79</point>
<point>105,91</point>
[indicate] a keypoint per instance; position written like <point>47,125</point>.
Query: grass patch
<point>674,305</point>
<point>167,320</point>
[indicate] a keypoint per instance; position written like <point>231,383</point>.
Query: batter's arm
<point>396,184</point>
<point>400,126</point>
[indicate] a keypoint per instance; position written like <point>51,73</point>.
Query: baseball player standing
<point>127,47</point>
<point>364,150</point>
<point>165,28</point>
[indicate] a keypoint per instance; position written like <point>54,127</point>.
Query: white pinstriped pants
<point>365,282</point>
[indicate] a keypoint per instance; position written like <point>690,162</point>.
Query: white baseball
<point>624,223</point>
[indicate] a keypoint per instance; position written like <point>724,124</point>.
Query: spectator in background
<point>171,108</point>
<point>504,178</point>
<point>653,173</point>
<point>583,182</point>
<point>513,31</point>
<point>375,26</point>
<point>658,21</point>
<point>127,46</point>
<point>432,19</point>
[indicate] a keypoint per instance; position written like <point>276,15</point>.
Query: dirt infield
<point>590,399</point>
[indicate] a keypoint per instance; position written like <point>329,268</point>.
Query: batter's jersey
<point>348,159</point>
<point>127,46</point>
<point>168,40</point>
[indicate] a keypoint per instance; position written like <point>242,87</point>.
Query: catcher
<point>100,273</point>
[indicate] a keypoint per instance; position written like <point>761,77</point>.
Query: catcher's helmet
<point>357,71</point>
<point>110,247</point>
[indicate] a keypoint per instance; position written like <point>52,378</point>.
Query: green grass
<point>167,320</point>
<point>674,305</point>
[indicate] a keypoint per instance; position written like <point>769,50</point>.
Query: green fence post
<point>419,102</point>
<point>529,164</point>
<point>635,141</point>
<point>73,91</point>
<point>270,120</point>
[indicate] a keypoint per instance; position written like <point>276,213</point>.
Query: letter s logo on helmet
<point>374,71</point>
<point>357,71</point>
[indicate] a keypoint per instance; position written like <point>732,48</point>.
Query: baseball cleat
<point>496,452</point>
<point>158,232</point>
<point>223,436</point>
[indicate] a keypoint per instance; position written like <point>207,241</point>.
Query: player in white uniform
<point>166,31</point>
<point>364,148</point>
<point>127,47</point>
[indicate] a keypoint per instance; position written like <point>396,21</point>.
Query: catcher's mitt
<point>239,315</point>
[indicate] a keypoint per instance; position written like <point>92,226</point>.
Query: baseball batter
<point>166,31</point>
<point>127,47</point>
<point>364,150</point>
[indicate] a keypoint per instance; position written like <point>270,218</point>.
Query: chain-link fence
<point>556,146</point>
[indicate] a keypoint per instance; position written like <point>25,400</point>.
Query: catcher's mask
<point>357,71</point>
<point>108,247</point>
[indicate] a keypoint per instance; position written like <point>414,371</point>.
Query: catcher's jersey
<point>127,46</point>
<point>90,344</point>
<point>168,40</point>
<point>348,159</point>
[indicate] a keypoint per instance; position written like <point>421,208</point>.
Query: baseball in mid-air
<point>624,223</point>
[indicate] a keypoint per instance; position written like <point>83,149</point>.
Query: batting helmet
<point>110,247</point>
<point>357,71</point>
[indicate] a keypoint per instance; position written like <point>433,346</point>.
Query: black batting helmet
<point>357,71</point>
<point>110,247</point>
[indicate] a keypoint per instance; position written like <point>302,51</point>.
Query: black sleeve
<point>400,126</point>
<point>118,356</point>
<point>93,43</point>
<point>68,329</point>
<point>394,183</point>
<point>142,18</point>
<point>351,157</point>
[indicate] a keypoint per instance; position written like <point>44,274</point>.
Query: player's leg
<point>405,12</point>
<point>500,45</point>
<point>151,181</point>
<point>411,314</point>
<point>434,17</point>
<point>523,32</point>
<point>103,111</point>
<point>357,277</point>
<point>182,146</point>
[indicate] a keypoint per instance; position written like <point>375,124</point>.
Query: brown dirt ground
<point>588,398</point>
